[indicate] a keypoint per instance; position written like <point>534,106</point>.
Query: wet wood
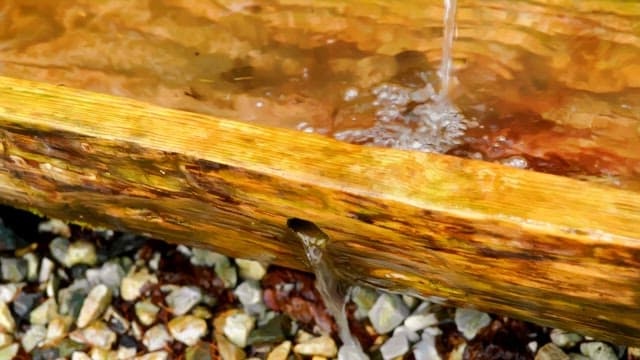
<point>535,246</point>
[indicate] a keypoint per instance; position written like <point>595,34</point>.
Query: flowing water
<point>548,88</point>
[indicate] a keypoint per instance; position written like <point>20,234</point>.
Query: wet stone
<point>116,321</point>
<point>7,323</point>
<point>469,321</point>
<point>132,285</point>
<point>156,355</point>
<point>78,272</point>
<point>47,266</point>
<point>70,299</point>
<point>551,352</point>
<point>199,351</point>
<point>24,303</point>
<point>66,347</point>
<point>9,291</point>
<point>49,353</point>
<point>183,299</point>
<point>565,339</point>
<point>33,337</point>
<point>187,329</point>
<point>59,248</point>
<point>94,305</point>
<point>10,351</point>
<point>388,312</point>
<point>598,351</point>
<point>5,339</point>
<point>156,338</point>
<point>237,328</point>
<point>272,332</point>
<point>44,312</point>
<point>14,269</point>
<point>146,312</point>
<point>97,334</point>
<point>421,318</point>
<point>250,269</point>
<point>319,346</point>
<point>280,352</point>
<point>364,298</point>
<point>9,241</point>
<point>226,272</point>
<point>58,328</point>
<point>249,293</point>
<point>127,341</point>
<point>425,349</point>
<point>80,252</point>
<point>395,346</point>
<point>56,227</point>
<point>203,257</point>
<point>32,266</point>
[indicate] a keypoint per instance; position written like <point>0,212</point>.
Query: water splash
<point>450,7</point>
<point>327,283</point>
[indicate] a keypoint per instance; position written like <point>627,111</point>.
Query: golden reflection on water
<point>551,85</point>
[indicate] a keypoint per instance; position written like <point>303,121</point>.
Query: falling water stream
<point>315,241</point>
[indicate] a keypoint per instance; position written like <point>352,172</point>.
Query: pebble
<point>237,328</point>
<point>280,352</point>
<point>157,355</point>
<point>24,303</point>
<point>44,312</point>
<point>598,351</point>
<point>425,349</point>
<point>183,299</point>
<point>58,328</point>
<point>395,346</point>
<point>33,337</point>
<point>9,291</point>
<point>226,272</point>
<point>13,269</point>
<point>187,329</point>
<point>79,355</point>
<point>56,227</point>
<point>5,339</point>
<point>470,321</point>
<point>116,321</point>
<point>351,352</point>
<point>250,269</point>
<point>132,284</point>
<point>66,347</point>
<point>146,312</point>
<point>403,330</point>
<point>318,346</point>
<point>551,352</point>
<point>110,274</point>
<point>199,351</point>
<point>269,333</point>
<point>156,338</point>
<point>201,312</point>
<point>421,318</point>
<point>364,298</point>
<point>10,351</point>
<point>32,266</point>
<point>203,257</point>
<point>97,334</point>
<point>565,339</point>
<point>47,266</point>
<point>7,323</point>
<point>125,353</point>
<point>388,312</point>
<point>249,292</point>
<point>94,305</point>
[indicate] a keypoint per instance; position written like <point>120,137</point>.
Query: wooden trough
<point>552,249</point>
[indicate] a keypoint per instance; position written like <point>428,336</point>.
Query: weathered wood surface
<point>570,67</point>
<point>535,246</point>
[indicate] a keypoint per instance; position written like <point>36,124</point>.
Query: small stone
<point>156,338</point>
<point>146,312</point>
<point>249,293</point>
<point>425,349</point>
<point>397,345</point>
<point>45,353</point>
<point>136,331</point>
<point>32,266</point>
<point>66,347</point>
<point>94,305</point>
<point>5,339</point>
<point>469,321</point>
<point>280,352</point>
<point>58,328</point>
<point>9,352</point>
<point>388,312</point>
<point>411,335</point>
<point>183,299</point>
<point>126,353</point>
<point>321,346</point>
<point>226,272</point>
<point>351,352</point>
<point>187,329</point>
<point>24,303</point>
<point>116,321</point>
<point>532,346</point>
<point>565,339</point>
<point>78,355</point>
<point>56,227</point>
<point>250,269</point>
<point>8,292</point>
<point>203,257</point>
<point>97,353</point>
<point>46,270</point>
<point>33,337</point>
<point>81,252</point>
<point>110,274</point>
<point>44,312</point>
<point>7,323</point>
<point>458,352</point>
<point>410,301</point>
<point>634,352</point>
<point>421,318</point>
<point>551,352</point>
<point>229,351</point>
<point>156,355</point>
<point>14,270</point>
<point>132,285</point>
<point>271,332</point>
<point>59,248</point>
<point>237,328</point>
<point>97,334</point>
<point>201,312</point>
<point>364,298</point>
<point>598,351</point>
<point>70,299</point>
<point>154,262</point>
<point>199,351</point>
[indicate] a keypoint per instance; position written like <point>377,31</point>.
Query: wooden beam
<point>534,246</point>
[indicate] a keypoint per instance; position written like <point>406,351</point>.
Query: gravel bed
<point>75,293</point>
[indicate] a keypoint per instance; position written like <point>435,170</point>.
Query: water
<point>327,283</point>
<point>555,87</point>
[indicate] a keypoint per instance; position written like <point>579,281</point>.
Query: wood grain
<point>535,246</point>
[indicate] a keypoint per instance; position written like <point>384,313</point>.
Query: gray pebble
<point>388,312</point>
<point>183,299</point>
<point>469,321</point>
